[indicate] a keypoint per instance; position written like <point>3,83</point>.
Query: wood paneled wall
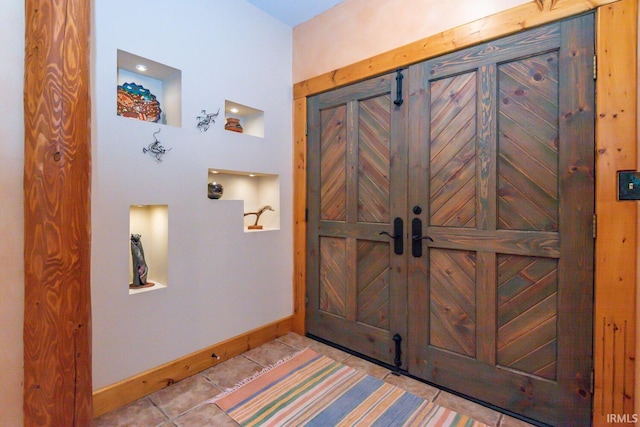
<point>57,170</point>
<point>616,243</point>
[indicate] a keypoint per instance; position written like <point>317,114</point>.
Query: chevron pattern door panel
<point>453,151</point>
<point>527,314</point>
<point>333,179</point>
<point>373,284</point>
<point>528,144</point>
<point>373,159</point>
<point>453,301</point>
<point>333,276</point>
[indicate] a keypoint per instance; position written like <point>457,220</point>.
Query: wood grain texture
<point>576,177</point>
<point>374,146</point>
<point>372,294</point>
<point>333,177</point>
<point>616,244</point>
<point>333,276</point>
<point>299,215</point>
<point>453,300</point>
<point>527,304</point>
<point>528,139</point>
<point>531,41</point>
<point>128,390</point>
<point>453,152</point>
<point>486,302</point>
<point>57,318</point>
<point>487,148</point>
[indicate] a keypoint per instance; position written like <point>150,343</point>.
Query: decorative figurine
<point>255,225</point>
<point>140,268</point>
<point>205,120</point>
<point>156,149</point>
<point>215,190</point>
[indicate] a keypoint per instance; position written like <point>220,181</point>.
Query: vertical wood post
<point>57,318</point>
<point>299,208</point>
<point>616,244</point>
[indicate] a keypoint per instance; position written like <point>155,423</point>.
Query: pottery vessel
<point>233,125</point>
<point>215,190</point>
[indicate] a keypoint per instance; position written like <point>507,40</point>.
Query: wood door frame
<point>616,118</point>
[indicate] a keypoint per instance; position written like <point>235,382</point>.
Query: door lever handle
<point>397,236</point>
<point>419,237</point>
<point>386,233</point>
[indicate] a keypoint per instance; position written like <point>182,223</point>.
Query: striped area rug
<point>313,390</point>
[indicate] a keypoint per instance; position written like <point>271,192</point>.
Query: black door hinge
<point>398,101</point>
<point>397,338</point>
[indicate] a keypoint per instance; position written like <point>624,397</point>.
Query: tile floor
<point>181,404</point>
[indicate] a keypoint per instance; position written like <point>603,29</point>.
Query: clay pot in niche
<point>233,124</point>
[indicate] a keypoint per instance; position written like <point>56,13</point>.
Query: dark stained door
<point>357,293</point>
<point>502,166</point>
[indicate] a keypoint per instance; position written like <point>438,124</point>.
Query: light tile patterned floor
<point>181,404</point>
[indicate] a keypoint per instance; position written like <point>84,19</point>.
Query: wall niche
<point>260,193</point>
<point>151,222</point>
<point>148,90</point>
<point>243,119</point>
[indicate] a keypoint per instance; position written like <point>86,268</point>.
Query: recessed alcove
<point>251,119</point>
<point>257,191</point>
<point>141,82</point>
<point>151,222</point>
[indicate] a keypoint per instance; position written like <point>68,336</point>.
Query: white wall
<point>221,281</point>
<point>11,211</point>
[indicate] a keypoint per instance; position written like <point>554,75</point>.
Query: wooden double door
<point>451,218</point>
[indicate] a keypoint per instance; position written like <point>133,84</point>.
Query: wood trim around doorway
<point>615,222</point>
